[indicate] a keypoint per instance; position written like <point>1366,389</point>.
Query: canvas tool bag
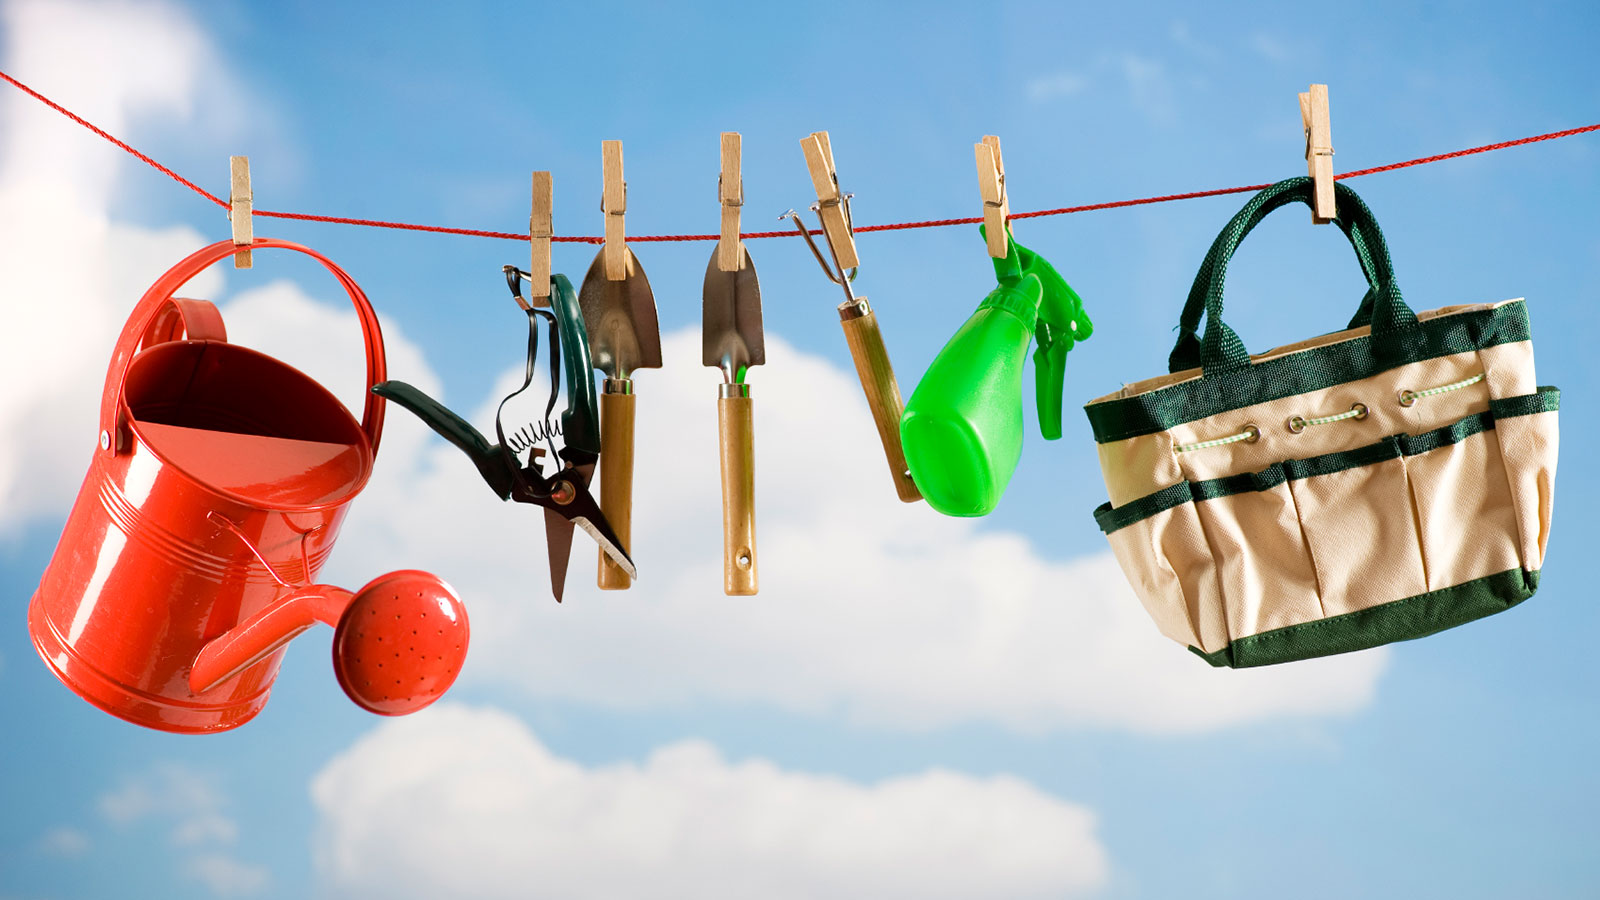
<point>1372,485</point>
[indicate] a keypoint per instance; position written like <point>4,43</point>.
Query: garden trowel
<point>732,341</point>
<point>620,318</point>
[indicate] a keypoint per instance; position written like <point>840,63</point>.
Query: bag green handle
<point>962,428</point>
<point>1186,353</point>
<point>1220,351</point>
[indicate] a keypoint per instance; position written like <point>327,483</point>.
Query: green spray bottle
<point>962,428</point>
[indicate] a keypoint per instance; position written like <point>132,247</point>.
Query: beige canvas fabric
<point>1145,464</point>
<point>1532,442</point>
<point>1213,571</point>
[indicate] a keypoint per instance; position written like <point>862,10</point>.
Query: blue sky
<point>915,706</point>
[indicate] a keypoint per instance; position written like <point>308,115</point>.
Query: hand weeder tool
<point>856,317</point>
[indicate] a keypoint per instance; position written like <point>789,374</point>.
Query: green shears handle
<point>492,460</point>
<point>580,423</point>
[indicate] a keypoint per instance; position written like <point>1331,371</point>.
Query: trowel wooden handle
<point>883,393</point>
<point>738,490</point>
<point>616,482</point>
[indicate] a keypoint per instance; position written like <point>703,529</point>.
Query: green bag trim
<point>1547,399</point>
<point>1309,370</point>
<point>1398,620</point>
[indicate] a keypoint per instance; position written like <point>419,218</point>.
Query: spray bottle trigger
<point>1049,374</point>
<point>1062,323</point>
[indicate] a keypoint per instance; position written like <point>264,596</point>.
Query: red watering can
<point>216,493</point>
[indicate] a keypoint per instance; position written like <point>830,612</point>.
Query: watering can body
<point>220,477</point>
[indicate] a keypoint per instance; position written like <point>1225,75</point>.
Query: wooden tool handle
<point>616,482</point>
<point>738,490</point>
<point>883,393</point>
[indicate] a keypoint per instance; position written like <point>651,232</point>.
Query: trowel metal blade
<point>620,319</point>
<point>731,318</point>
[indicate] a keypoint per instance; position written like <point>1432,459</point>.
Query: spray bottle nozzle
<point>1061,323</point>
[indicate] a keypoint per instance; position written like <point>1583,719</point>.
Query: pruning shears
<point>564,493</point>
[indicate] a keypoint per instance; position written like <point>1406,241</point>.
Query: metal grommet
<point>1296,424</point>
<point>1360,409</point>
<point>1407,398</point>
<point>1254,432</point>
<point>105,440</point>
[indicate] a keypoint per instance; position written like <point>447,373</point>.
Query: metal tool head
<point>731,336</point>
<point>836,273</point>
<point>571,505</point>
<point>620,317</point>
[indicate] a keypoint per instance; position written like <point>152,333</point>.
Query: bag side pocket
<point>1262,557</point>
<point>1171,568</point>
<point>1528,437</point>
<point>1360,528</point>
<point>1464,508</point>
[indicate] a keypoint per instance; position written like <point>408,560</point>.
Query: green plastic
<point>962,428</point>
<point>580,423</point>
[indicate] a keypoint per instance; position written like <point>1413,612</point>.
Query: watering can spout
<point>259,635</point>
<point>398,643</point>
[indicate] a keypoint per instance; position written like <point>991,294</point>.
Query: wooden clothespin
<point>730,193</point>
<point>1319,152</point>
<point>996,203</point>
<point>240,205</point>
<point>833,206</point>
<point>614,203</point>
<point>540,230</point>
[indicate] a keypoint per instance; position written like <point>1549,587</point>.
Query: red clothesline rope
<point>671,238</point>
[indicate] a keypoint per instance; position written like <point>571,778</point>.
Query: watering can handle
<point>151,323</point>
<point>182,319</point>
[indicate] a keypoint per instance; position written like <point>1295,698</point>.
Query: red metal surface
<point>221,475</point>
<point>264,633</point>
<point>400,643</point>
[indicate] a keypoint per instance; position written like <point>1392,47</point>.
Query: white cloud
<point>169,790</point>
<point>191,803</point>
<point>205,828</point>
<point>1150,87</point>
<point>1148,84</point>
<point>1271,47</point>
<point>1051,87</point>
<point>881,612</point>
<point>68,270</point>
<point>225,876</point>
<point>1181,35</point>
<point>64,841</point>
<point>467,802</point>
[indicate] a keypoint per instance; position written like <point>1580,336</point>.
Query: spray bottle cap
<point>1061,324</point>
